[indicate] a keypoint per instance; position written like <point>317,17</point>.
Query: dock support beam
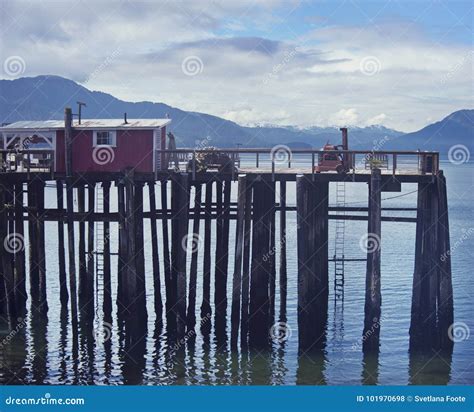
<point>180,208</point>
<point>373,297</point>
<point>312,213</point>
<point>432,300</point>
<point>259,314</point>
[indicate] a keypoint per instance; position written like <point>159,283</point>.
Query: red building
<point>99,145</point>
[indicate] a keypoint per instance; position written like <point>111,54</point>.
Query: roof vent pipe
<point>125,118</point>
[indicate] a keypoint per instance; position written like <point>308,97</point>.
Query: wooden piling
<point>259,306</point>
<point>432,299</point>
<point>10,243</point>
<point>246,266</point>
<point>122,249</point>
<point>63,292</point>
<point>312,210</point>
<point>180,207</point>
<point>139,255</point>
<point>239,244</point>
<point>166,247</point>
<point>222,259</point>
<point>445,302</point>
<point>32,195</point>
<point>373,297</point>
<point>130,285</point>
<point>283,266</point>
<point>158,304</point>
<point>42,249</point>
<point>206,294</point>
<point>107,298</point>
<point>20,279</point>
<point>90,251</point>
<point>81,206</point>
<point>196,244</point>
<point>70,211</point>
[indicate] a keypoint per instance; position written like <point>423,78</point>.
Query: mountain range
<point>44,97</point>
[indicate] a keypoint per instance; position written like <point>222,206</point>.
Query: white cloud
<point>314,79</point>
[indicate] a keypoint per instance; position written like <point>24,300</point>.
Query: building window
<point>105,138</point>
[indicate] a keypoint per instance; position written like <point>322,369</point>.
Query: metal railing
<point>27,161</point>
<point>306,160</point>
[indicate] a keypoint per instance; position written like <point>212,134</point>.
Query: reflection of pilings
<point>432,300</point>
<point>39,322</point>
<point>312,210</point>
<point>370,368</point>
<point>373,297</point>
<point>430,368</point>
<point>311,368</point>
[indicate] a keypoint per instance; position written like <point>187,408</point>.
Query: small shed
<point>98,145</point>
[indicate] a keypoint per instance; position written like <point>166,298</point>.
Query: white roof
<point>88,124</point>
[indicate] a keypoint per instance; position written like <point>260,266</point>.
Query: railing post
<point>194,165</point>
<point>312,165</point>
<point>394,164</point>
<point>273,168</point>
<point>257,162</point>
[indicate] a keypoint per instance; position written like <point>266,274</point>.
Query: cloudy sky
<point>402,64</point>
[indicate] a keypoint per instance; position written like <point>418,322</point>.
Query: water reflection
<point>433,368</point>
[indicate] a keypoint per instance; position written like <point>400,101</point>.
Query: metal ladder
<point>339,243</point>
<point>99,247</point>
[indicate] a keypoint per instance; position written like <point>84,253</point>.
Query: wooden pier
<point>192,199</point>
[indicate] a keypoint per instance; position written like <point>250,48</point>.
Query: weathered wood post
<point>246,265</point>
<point>10,243</point>
<point>20,279</point>
<point>283,267</point>
<point>196,245</point>
<point>139,251</point>
<point>432,299</point>
<point>122,249</point>
<point>130,284</point>
<point>445,297</point>
<point>155,252</point>
<point>63,293</point>
<point>41,249</point>
<point>312,218</point>
<point>206,283</point>
<point>180,209</point>
<point>70,211</point>
<point>259,314</point>
<point>373,297</point>
<point>107,298</point>
<point>90,251</point>
<point>239,244</point>
<point>33,237</point>
<point>81,205</point>
<point>166,248</point>
<point>222,255</point>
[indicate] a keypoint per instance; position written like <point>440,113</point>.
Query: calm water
<point>41,350</point>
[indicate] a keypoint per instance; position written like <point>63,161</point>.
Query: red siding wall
<point>134,149</point>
